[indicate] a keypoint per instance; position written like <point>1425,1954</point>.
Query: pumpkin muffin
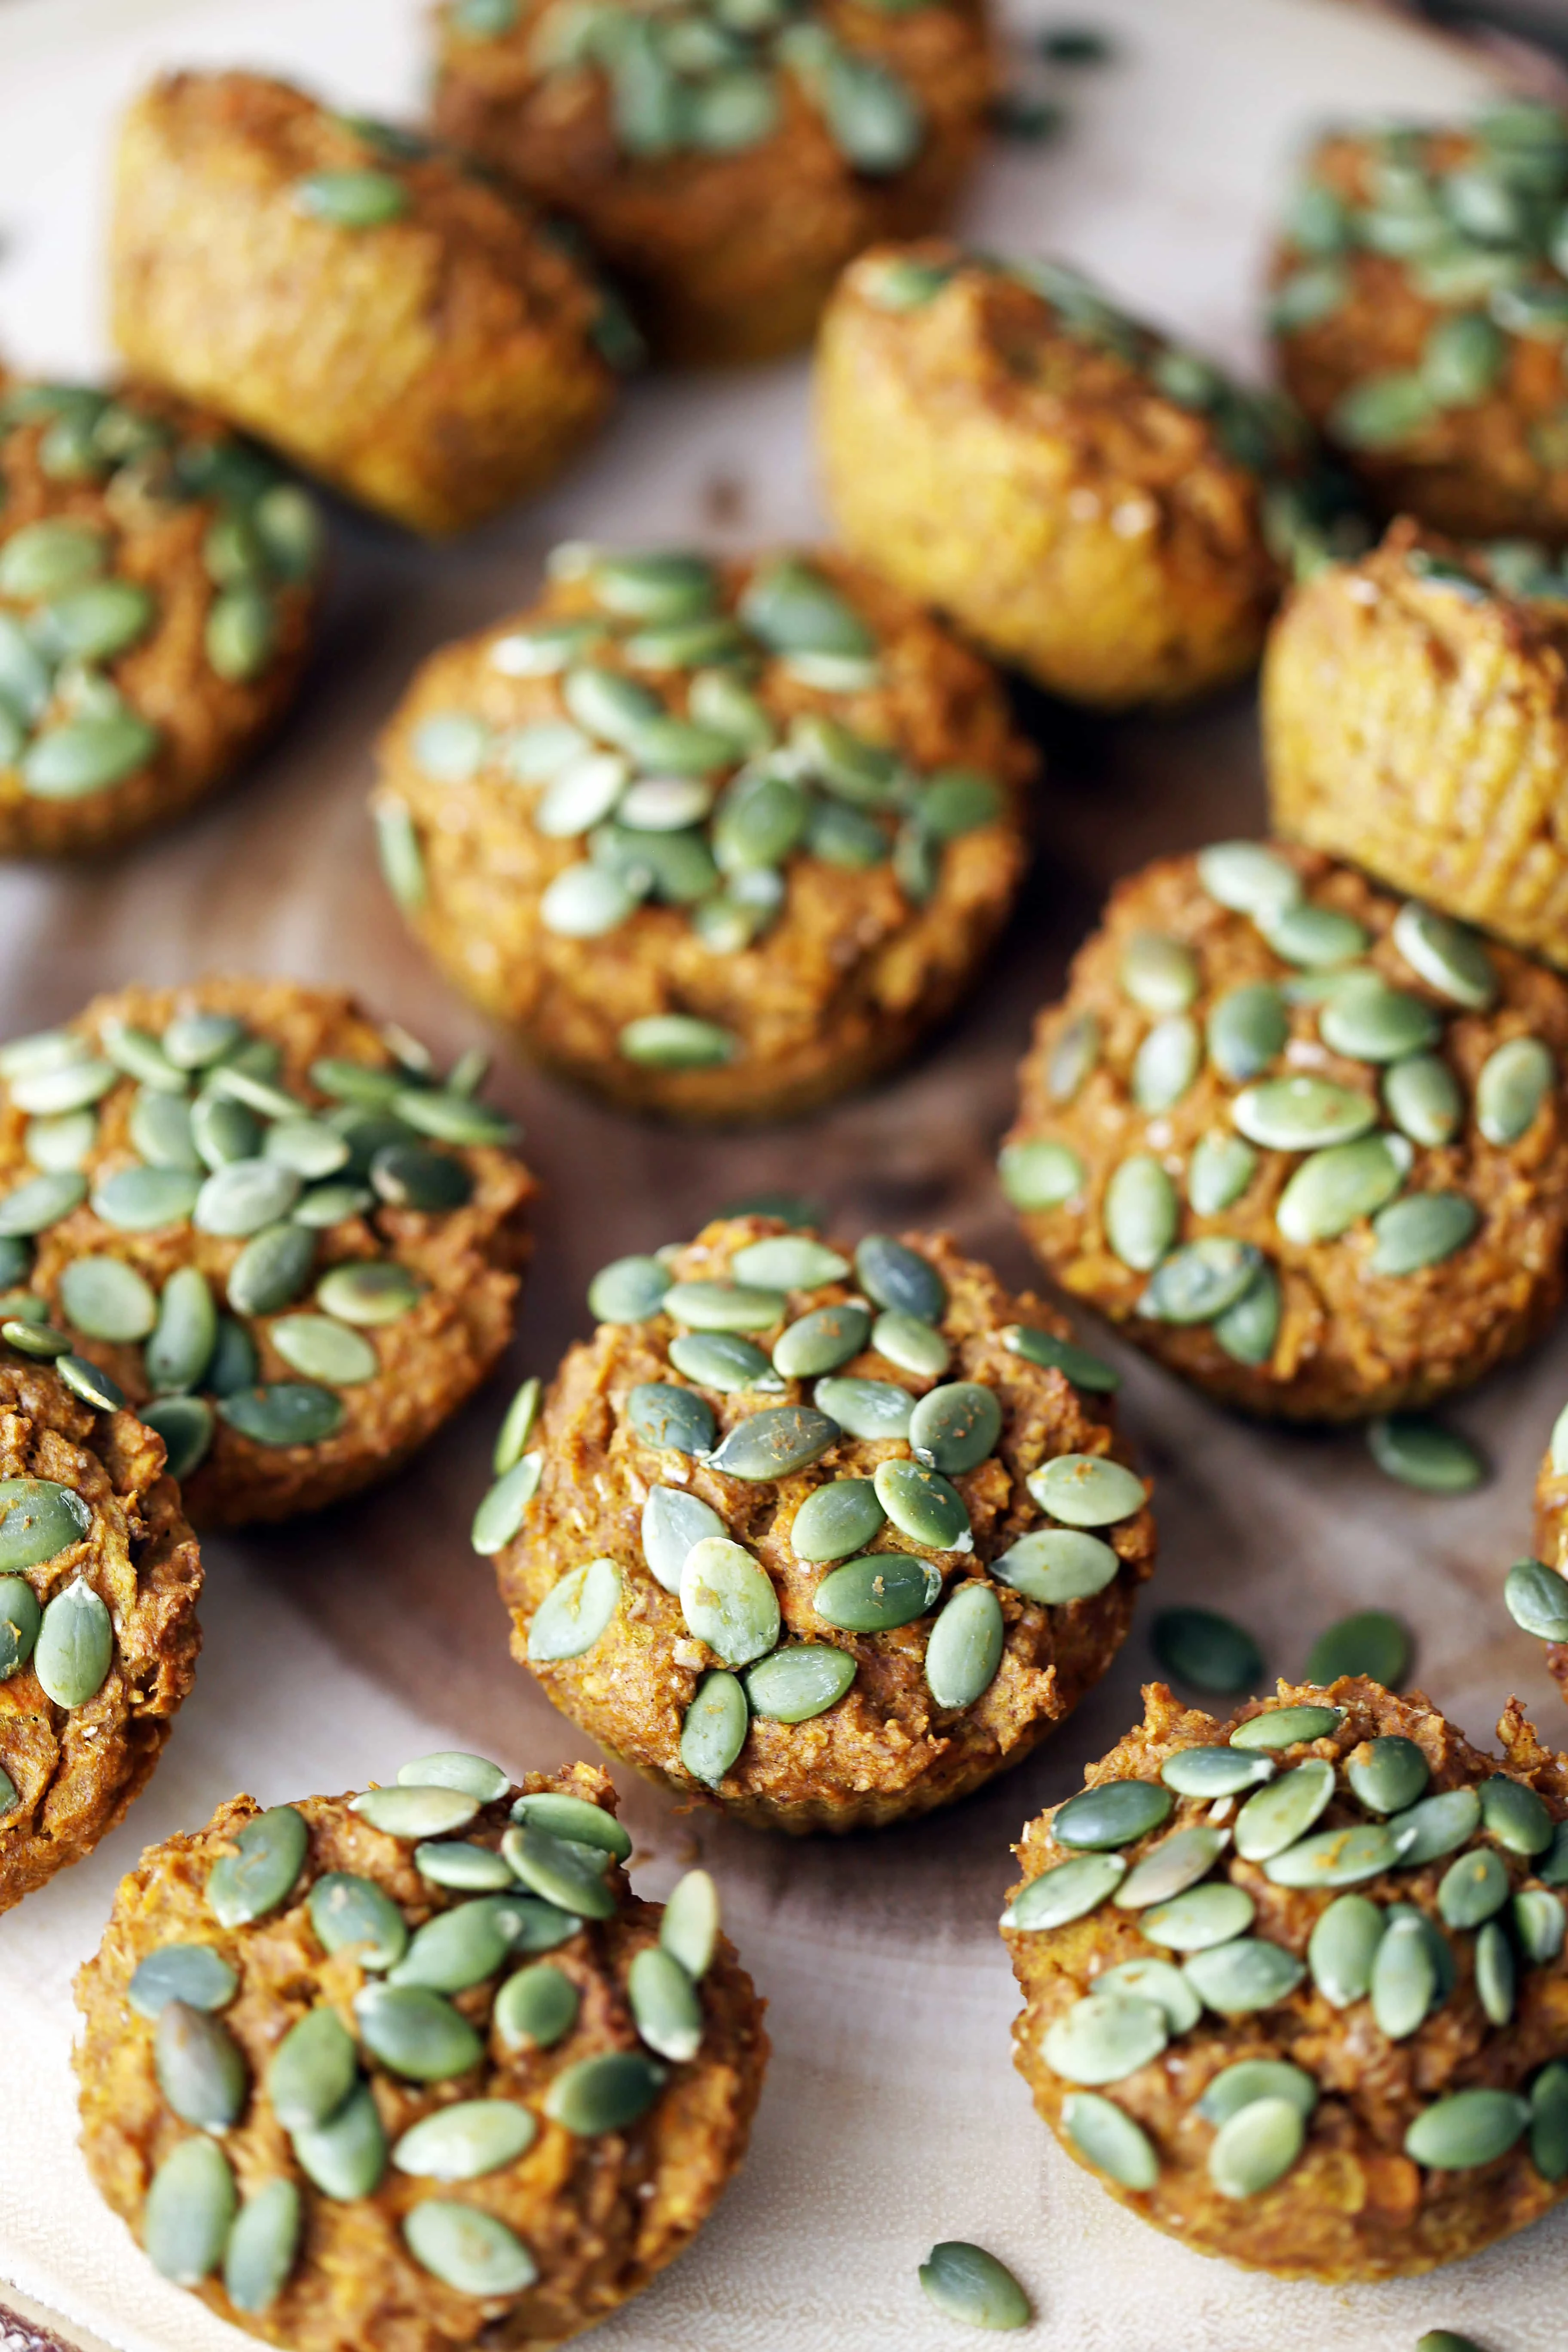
<point>1085,499</point>
<point>826,1538</point>
<point>1304,1142</point>
<point>367,303</point>
<point>157,591</point>
<point>99,1576</point>
<point>415,2068</point>
<point>720,839</point>
<point>1295,1985</point>
<point>1420,308</point>
<point>275,1229</point>
<point>728,159</point>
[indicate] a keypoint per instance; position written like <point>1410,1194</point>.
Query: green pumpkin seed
<point>689,1930</point>
<point>832,1522</point>
<point>43,559</point>
<point>409,1812</point>
<point>1537,1600</point>
<point>627,1291</point>
<point>1341,1953</point>
<point>675,1419</point>
<point>1440,1824</point>
<point>352,199</point>
<point>241,1197</point>
<point>1158,1981</point>
<point>1286,1727</point>
<point>1549,2122</point>
<point>189,2210</point>
<point>1053,1566</point>
<point>1473,1888</point>
<point>872,1594</point>
<point>461,1947</point>
<point>1461,360</point>
<point>1419,1452</point>
<point>241,633</point>
<point>1514,1083</point>
<point>1069,1891</point>
<point>193,1974</point>
<point>1496,1973</point>
<point>1165,1064</point>
<point>324,1351</point>
<point>1391,1773</point>
<point>312,2070</point>
<point>93,1387</point>
<point>1448,956</point>
<point>923,1506</point>
<point>38,1520</point>
<point>1247,1028</point>
<point>584,791</point>
<point>311,1148</point>
<point>1424,1099</point>
<point>141,1200</point>
<point>1076,1364</point>
<point>1200,1647</point>
<point>1246,1974</point>
<point>1370,1022</point>
<point>452,1116</point>
<point>575,1819</point>
<point>467,2140</point>
<point>193,1041</point>
<point>141,1057</point>
<point>603,2094</point>
<point>955,1427</point>
<point>186,1333</point>
<point>224,1131</point>
<point>47,1093</point>
<point>1314,937</point>
<point>914,1346</point>
<point>1159,973</point>
<point>788,1262</point>
<point>1213,1771</point>
<point>776,1444</point>
<point>1382,412</point>
<point>32,1336</point>
<point>1514,1815</point>
<point>1302,1114</point>
<point>714,1729</point>
<point>1073,1058</point>
<point>575,1612</point>
<point>822,1340</point>
<point>536,2009</point>
<point>1256,2146</point>
<point>467,1869</point>
<point>248,1077</point>
<point>20,1617</point>
<point>969,2285</point>
<point>1037,1176</point>
<point>672,1522</point>
<point>1106,2136</point>
<point>345,2158</point>
<point>1084,1490</point>
<point>559,1870</point>
<point>108,1299</point>
<point>1178,1862</point>
<point>82,756</point>
<point>262,2247</point>
<point>1370,1642</point>
<point>1202,1280</point>
<point>200,2067</point>
<point>728,1601</point>
<point>675,1041</point>
<point>1248,878</point>
<point>1280,1814</point>
<point>378,1290</point>
<point>451,747</point>
<point>1203,1919</point>
<point>1466,2129</point>
<point>284,1413</point>
<point>898,1278</point>
<point>353,1914</point>
<point>450,1767</point>
<point>964,1649</point>
<point>794,609</point>
<point>1141,1212</point>
<point>1111,1813</point>
<point>664,2005</point>
<point>585,903</point>
<point>1105,2038</point>
<point>66,1142</point>
<point>1421,1230</point>
<point>42,1202</point>
<point>723,1360</point>
<point>872,1410</point>
<point>185,1425</point>
<point>1251,2079</point>
<point>75,1647</point>
<point>415,2032</point>
<point>517,1427</point>
<point>1333,1190</point>
<point>1342,1857</point>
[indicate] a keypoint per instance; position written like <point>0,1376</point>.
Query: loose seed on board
<point>1370,1642</point>
<point>1419,1452</point>
<point>1201,1647</point>
<point>969,2285</point>
<point>75,1647</point>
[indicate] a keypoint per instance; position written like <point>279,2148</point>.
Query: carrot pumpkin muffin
<point>720,839</point>
<point>1295,1985</point>
<point>1420,307</point>
<point>1415,720</point>
<point>416,2067</point>
<point>1087,500</point>
<point>824,1537</point>
<point>278,1231</point>
<point>99,1576</point>
<point>1304,1141</point>
<point>362,299</point>
<point>726,161</point>
<point>157,590</point>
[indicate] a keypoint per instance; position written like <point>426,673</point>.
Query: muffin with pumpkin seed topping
<point>100,1577</point>
<point>270,1226</point>
<point>1084,497</point>
<point>1296,1985</point>
<point>1303,1143</point>
<point>826,1538</point>
<point>368,303</point>
<point>157,594</point>
<point>721,839</point>
<point>415,2067</point>
<point>726,157</point>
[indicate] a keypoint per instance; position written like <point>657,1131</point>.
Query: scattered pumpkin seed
<point>1213,1771</point>
<point>1440,1824</point>
<point>1370,1642</point>
<point>1549,2122</point>
<point>1513,1814</point>
<point>415,2032</point>
<point>195,1974</point>
<point>923,1506</point>
<point>689,1927</point>
<point>866,1409</point>
<point>776,1443</point>
<point>874,1593</point>
<point>1537,1600</point>
<point>1168,1869</point>
<point>1514,1082</point>
<point>575,1612</point>
<point>38,1520</point>
<point>821,1341</point>
<point>1105,2038</point>
<point>1419,1452</point>
<point>1256,2146</point>
<point>1421,1230</point>
<point>1447,954</point>
<point>1424,1099</point>
<point>200,2067</point>
<point>411,1811</point>
<point>312,2070</point>
<point>1111,1813</point>
<point>1244,1975</point>
<point>1211,1652</point>
<point>672,1522</point>
<point>969,2285</point>
<point>536,2008</point>
<point>1342,1951</point>
<point>728,1601</point>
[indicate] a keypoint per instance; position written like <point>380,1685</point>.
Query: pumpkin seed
<point>1421,1230</point>
<point>1315,937</point>
<point>536,2009</point>
<point>1040,1175</point>
<point>1202,1920</point>
<point>1111,1813</point>
<point>1334,1189</point>
<point>576,1819</point>
<point>1251,2079</point>
<point>1537,1600</point>
<point>1256,2146</point>
<point>1076,1364</point>
<point>1286,1727</point>
<point>674,1419</point>
<point>1105,2038</point>
<point>833,1521</point>
<point>1158,1981</point>
<point>1069,1890</point>
<point>249,1081</point>
<point>714,1729</point>
<point>1391,1773</point>
<point>872,1410</point>
<point>1448,956</point>
<point>822,1340</point>
<point>1552,1868</point>
<point>1371,1643</point>
<point>467,2140</point>
<point>872,1594</point>
<point>776,1444</point>
<point>353,1914</point>
<point>1342,1950</point>
<point>1284,1812</point>
<point>194,1040</point>
<point>345,2158</point>
<point>351,198</point>
<point>1084,1490</point>
<point>923,1506</point>
<point>1549,2122</point>
<point>20,1616</point>
<point>664,2005</point>
<point>43,559</point>
<point>1496,1974</point>
<point>1302,1114</point>
<point>898,1280</point>
<point>1419,1452</point>
<point>459,1948</point>
<point>75,1647</point>
<point>603,2094</point>
<point>675,1041</point>
<point>1241,1976</point>
<point>1200,1647</point>
<point>964,1649</point>
<point>672,1522</point>
<point>517,1427</point>
<point>193,1974</point>
<point>629,1290</point>
<point>324,1351</point>
<point>38,1520</point>
<point>1424,1099</point>
<point>560,1870</point>
<point>1168,1869</point>
<point>415,2032</point>
<point>139,1199</point>
<point>1141,1212</point>
<point>689,1930</point>
<point>1473,1888</point>
<point>64,1142</point>
<point>1165,1064</point>
<point>244,1195</point>
<point>1341,1857</point>
<point>1158,973</point>
<point>263,2245</point>
<point>31,1208</point>
<point>1107,2137</point>
<point>1073,1058</point>
<point>311,1148</point>
<point>223,1131</point>
<point>1368,1020</point>
<point>1539,1923</point>
<point>93,1387</point>
<point>969,2285</point>
<point>200,2067</point>
<point>409,1812</point>
<point>1248,878</point>
<point>312,2070</point>
<point>575,1612</point>
<point>468,1869</point>
<point>189,2209</point>
<point>794,609</point>
<point>450,1767</point>
<point>728,1601</point>
<point>1213,1771</point>
<point>1440,1824</point>
<point>186,1333</point>
<point>108,1299</point>
<point>452,1116</point>
<point>788,1262</point>
<point>1053,1566</point>
<point>1515,1816</point>
<point>72,1086</point>
<point>955,1427</point>
<point>915,1346</point>
<point>1515,1081</point>
<point>1247,1028</point>
<point>1466,2128</point>
<point>723,1360</point>
<point>283,1414</point>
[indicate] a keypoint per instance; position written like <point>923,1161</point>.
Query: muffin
<point>1304,1142</point>
<point>720,839</point>
<point>824,1537</point>
<point>1416,719</point>
<point>276,1229</point>
<point>100,1577</point>
<point>369,305</point>
<point>415,2068</point>
<point>1294,1985</point>
<point>1419,308</point>
<point>1096,505</point>
<point>157,594</point>
<point>726,162</point>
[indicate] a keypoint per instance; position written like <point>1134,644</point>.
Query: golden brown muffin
<point>365,302</point>
<point>99,1576</point>
<point>722,840</point>
<point>1295,1984</point>
<point>276,1229</point>
<point>1306,1144</point>
<point>157,592</point>
<point>1420,307</point>
<point>825,1537</point>
<point>726,164</point>
<point>1415,720</point>
<point>1085,499</point>
<point>353,2073</point>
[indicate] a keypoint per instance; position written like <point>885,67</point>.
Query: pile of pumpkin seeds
<point>1354,1145</point>
<point>755,1333</point>
<point>544,1885</point>
<point>67,613</point>
<point>1483,237</point>
<point>1498,1896</point>
<point>674,774</point>
<point>224,1147</point>
<point>1307,509</point>
<point>710,79</point>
